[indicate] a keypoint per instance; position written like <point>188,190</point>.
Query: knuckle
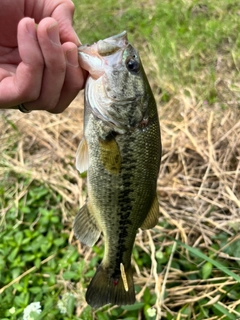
<point>71,6</point>
<point>56,67</point>
<point>61,69</point>
<point>56,111</point>
<point>28,93</point>
<point>77,85</point>
<point>50,104</point>
<point>33,95</point>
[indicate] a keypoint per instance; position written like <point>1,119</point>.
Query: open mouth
<point>104,54</point>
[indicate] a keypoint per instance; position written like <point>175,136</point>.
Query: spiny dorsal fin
<point>85,227</point>
<point>82,158</point>
<point>152,218</point>
<point>110,155</point>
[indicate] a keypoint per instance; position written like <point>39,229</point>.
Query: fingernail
<point>31,28</point>
<point>72,57</point>
<point>78,40</point>
<point>53,34</point>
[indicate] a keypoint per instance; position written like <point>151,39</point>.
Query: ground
<point>187,267</point>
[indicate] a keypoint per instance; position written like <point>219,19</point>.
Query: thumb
<point>63,13</point>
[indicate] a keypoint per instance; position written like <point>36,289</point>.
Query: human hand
<point>38,65</point>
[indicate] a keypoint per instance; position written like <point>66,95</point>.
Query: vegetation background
<point>187,267</point>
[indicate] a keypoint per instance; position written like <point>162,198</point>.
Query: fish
<point>121,152</point>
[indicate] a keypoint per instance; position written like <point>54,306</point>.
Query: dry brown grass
<point>199,189</point>
<point>198,186</point>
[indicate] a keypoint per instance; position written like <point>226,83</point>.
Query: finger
<point>25,84</point>
<point>63,13</point>
<point>74,78</point>
<point>55,66</point>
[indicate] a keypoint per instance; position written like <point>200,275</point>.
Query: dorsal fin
<point>152,218</point>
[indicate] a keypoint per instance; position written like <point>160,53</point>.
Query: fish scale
<point>121,150</point>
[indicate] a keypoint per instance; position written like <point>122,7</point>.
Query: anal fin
<point>82,157</point>
<point>152,218</point>
<point>85,227</point>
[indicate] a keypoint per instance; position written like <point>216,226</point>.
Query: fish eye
<point>132,64</point>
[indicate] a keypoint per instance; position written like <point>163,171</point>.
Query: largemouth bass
<point>121,149</point>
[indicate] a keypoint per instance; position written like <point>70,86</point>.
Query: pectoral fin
<point>152,218</point>
<point>110,155</point>
<point>85,227</point>
<point>82,158</point>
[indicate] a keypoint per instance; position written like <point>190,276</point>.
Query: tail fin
<point>103,289</point>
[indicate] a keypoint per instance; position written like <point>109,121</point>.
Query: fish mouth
<point>107,46</point>
<point>112,44</point>
<point>102,55</point>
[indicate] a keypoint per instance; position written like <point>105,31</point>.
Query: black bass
<point>121,149</point>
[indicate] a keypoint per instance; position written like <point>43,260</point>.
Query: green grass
<point>181,44</point>
<point>186,37</point>
<point>33,238</point>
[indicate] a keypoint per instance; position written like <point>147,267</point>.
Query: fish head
<point>103,55</point>
<point>117,90</point>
